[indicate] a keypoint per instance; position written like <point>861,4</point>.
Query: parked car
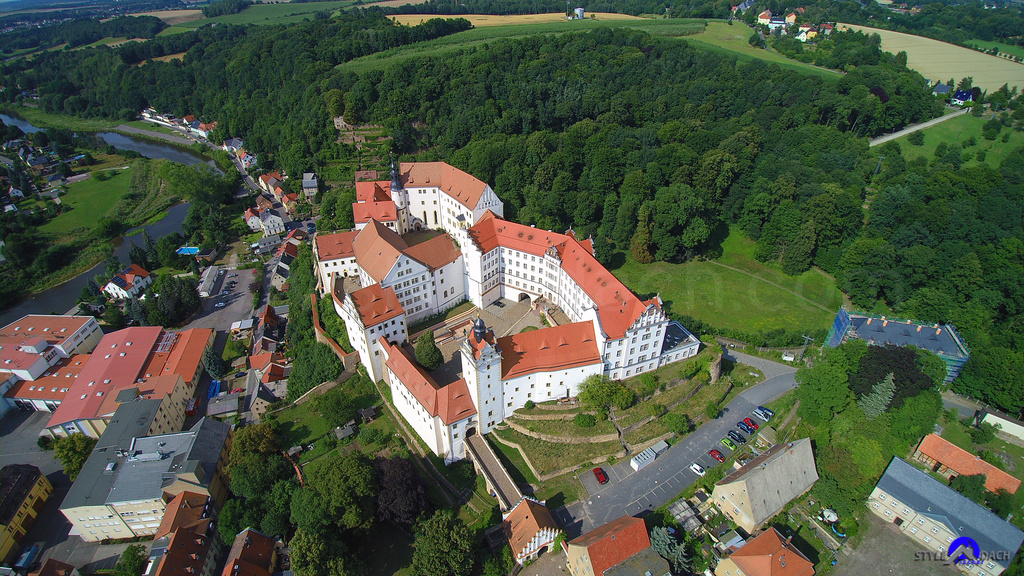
<point>232,275</point>
<point>728,444</point>
<point>602,478</point>
<point>240,375</point>
<point>716,455</point>
<point>766,412</point>
<point>737,437</point>
<point>750,423</point>
<point>761,415</point>
<point>743,426</point>
<point>219,305</point>
<point>697,469</point>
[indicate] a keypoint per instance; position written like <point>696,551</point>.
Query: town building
<point>764,17</point>
<point>309,186</point>
<point>251,554</point>
<point>23,493</point>
<point>186,541</point>
<point>34,343</point>
<point>768,554</point>
<point>530,529</point>
<point>129,283</point>
<point>252,219</point>
<point>125,484</point>
<point>54,567</point>
<point>335,258</point>
<point>268,336</point>
<point>761,488</point>
<point>619,548</point>
<point>271,223</point>
<point>950,460</point>
<point>940,339</point>
<point>933,515</point>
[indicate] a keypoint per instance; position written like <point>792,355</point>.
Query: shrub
<point>712,410</point>
<point>371,436</point>
<point>585,420</point>
<point>45,442</point>
<point>655,409</point>
<point>677,423</point>
<point>916,138</point>
<point>983,434</point>
<point>529,405</point>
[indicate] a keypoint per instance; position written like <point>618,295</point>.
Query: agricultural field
<point>480,20</point>
<point>735,291</point>
<point>939,61</point>
<point>958,130</point>
<point>1010,49</point>
<point>721,37</point>
<point>267,14</point>
<point>89,200</point>
<point>172,17</point>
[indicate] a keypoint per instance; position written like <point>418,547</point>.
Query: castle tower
<point>481,367</point>
<point>398,193</point>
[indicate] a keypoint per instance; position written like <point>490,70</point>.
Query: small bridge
<point>487,464</point>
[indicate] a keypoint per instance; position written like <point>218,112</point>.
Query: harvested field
<point>489,20</point>
<point>395,3</point>
<point>169,57</point>
<point>940,61</point>
<point>172,17</point>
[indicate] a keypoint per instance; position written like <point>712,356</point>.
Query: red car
<point>750,423</point>
<point>717,455</point>
<point>602,478</point>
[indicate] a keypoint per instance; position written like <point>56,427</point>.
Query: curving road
<point>631,492</point>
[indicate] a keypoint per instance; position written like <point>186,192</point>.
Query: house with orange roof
<point>335,258</point>
<point>252,218</point>
<point>204,129</point>
<point>950,460</point>
<point>252,554</point>
<point>54,567</point>
<point>768,554</point>
<point>791,18</point>
<point>269,180</point>
<point>620,547</point>
<point>129,283</point>
<point>269,366</point>
<point>186,542</point>
<point>529,528</point>
<point>440,415</point>
<point>369,314</point>
<point>764,17</point>
<point>248,159</point>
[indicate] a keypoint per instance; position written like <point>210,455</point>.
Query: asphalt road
<point>634,492</point>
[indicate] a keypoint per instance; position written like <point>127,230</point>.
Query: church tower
<point>481,367</point>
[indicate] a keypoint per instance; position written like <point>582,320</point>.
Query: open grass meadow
<point>958,130</point>
<point>721,37</point>
<point>89,200</point>
<point>1010,49</point>
<point>172,17</point>
<point>737,291</point>
<point>940,61</point>
<point>265,14</point>
<point>514,27</point>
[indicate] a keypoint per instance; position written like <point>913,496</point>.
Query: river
<point>60,299</point>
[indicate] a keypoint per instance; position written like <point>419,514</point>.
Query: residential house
<point>746,5</point>
<point>764,17</point>
<point>826,29</point>
<point>233,145</point>
<point>530,529</point>
<point>806,33</point>
<point>760,489</point>
<point>777,24</point>
<point>186,541</point>
<point>619,548</point>
<point>129,283</point>
<point>290,201</point>
<point>309,186</point>
<point>54,567</point>
<point>55,181</point>
<point>933,515</point>
<point>768,554</point>
<point>286,255</point>
<point>205,129</point>
<point>962,98</point>
<point>15,193</point>
<point>252,218</point>
<point>269,332</point>
<point>251,554</point>
<point>248,159</point>
<point>791,18</point>
<point>267,244</point>
<point>942,90</point>
<point>263,203</point>
<point>335,258</point>
<point>948,459</point>
<point>23,493</point>
<point>269,366</point>
<point>272,223</point>
<point>125,484</point>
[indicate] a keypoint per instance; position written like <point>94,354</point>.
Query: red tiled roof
<point>335,246</point>
<point>53,384</point>
<point>377,248</point>
<point>184,509</point>
<point>268,316</point>
<point>618,308</point>
<point>260,362</point>
<point>451,403</point>
<point>379,191</point>
<point>381,211</point>
<point>155,388</point>
<point>130,273</point>
<point>250,213</point>
<point>266,178</point>
<point>54,567</point>
<point>55,329</point>
<point>524,522</point>
<point>209,126</point>
<point>263,203</point>
<point>186,356</point>
<point>107,370</point>
<point>376,304</point>
<point>250,555</point>
<point>614,542</point>
<point>966,464</point>
<point>289,248</point>
<point>770,555</point>
<point>555,348</point>
<point>461,186</point>
<point>435,253</point>
<point>187,550</point>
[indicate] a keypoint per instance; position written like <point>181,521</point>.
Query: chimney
<point>869,321</point>
<point>918,328</point>
<point>938,331</point>
<point>885,323</point>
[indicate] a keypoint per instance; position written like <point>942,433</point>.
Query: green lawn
<point>958,130</point>
<point>1003,48</point>
<point>760,297</point>
<point>483,34</point>
<point>286,13</point>
<point>721,37</point>
<point>89,200</point>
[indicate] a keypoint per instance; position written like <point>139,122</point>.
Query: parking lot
<point>228,303</point>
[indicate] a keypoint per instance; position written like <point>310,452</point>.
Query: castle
<point>481,258</point>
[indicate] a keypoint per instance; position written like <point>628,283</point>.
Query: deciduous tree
<point>73,451</point>
<point>444,546</point>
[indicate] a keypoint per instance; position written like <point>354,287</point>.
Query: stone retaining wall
<point>613,437</point>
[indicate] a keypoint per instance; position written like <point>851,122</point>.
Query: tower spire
<point>396,183</point>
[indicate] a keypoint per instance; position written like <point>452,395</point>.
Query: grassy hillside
<point>721,37</point>
<point>958,130</point>
<point>89,200</point>
<point>264,14</point>
<point>1017,51</point>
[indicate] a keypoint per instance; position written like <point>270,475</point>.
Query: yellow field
<point>480,20</point>
<point>939,61</point>
<point>395,3</point>
<point>172,17</point>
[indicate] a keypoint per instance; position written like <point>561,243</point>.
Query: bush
<point>916,138</point>
<point>712,410</point>
<point>655,409</point>
<point>45,442</point>
<point>371,436</point>
<point>529,405</point>
<point>983,434</point>
<point>585,420</point>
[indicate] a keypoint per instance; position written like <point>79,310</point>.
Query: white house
<point>370,314</point>
<point>271,222</point>
<point>252,218</point>
<point>335,258</point>
<point>129,283</point>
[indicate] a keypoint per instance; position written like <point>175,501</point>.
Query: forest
<point>82,31</point>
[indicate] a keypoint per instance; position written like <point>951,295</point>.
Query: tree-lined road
<point>631,492</point>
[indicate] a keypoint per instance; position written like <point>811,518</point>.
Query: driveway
<point>631,492</point>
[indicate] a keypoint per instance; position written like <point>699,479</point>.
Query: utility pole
<point>807,340</point>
